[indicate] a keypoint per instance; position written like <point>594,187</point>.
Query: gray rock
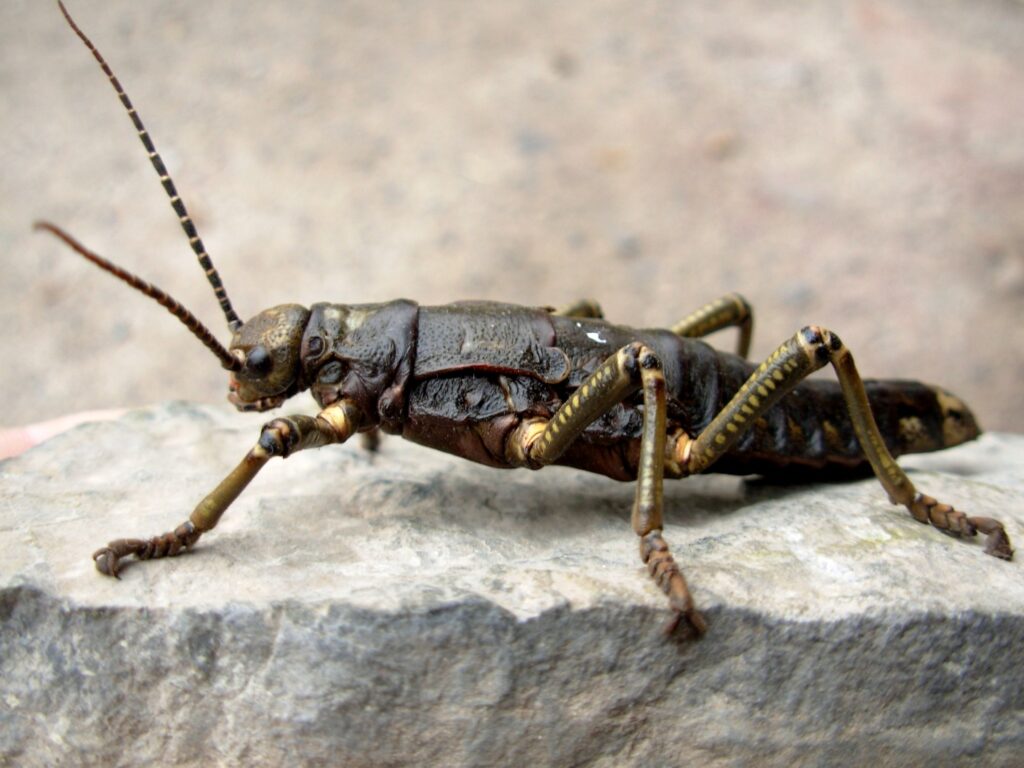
<point>406,608</point>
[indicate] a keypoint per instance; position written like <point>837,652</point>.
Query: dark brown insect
<point>511,386</point>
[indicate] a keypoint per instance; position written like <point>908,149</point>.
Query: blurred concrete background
<point>855,164</point>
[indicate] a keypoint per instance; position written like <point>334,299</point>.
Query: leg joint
<point>279,436</point>
<point>678,447</point>
<point>629,358</point>
<point>649,360</point>
<point>635,358</point>
<point>519,446</point>
<point>821,344</point>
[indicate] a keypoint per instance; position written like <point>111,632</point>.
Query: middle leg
<point>538,443</point>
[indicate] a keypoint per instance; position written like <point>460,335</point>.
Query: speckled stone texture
<point>406,608</point>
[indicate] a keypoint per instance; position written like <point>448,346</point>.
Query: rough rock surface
<point>410,609</point>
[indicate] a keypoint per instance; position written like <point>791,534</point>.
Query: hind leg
<point>581,308</point>
<point>807,351</point>
<point>726,312</point>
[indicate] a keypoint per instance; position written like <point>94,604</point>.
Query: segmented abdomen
<point>807,433</point>
<point>809,430</point>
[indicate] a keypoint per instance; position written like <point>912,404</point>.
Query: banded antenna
<point>162,298</point>
<point>179,207</point>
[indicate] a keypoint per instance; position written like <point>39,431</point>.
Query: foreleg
<point>279,437</point>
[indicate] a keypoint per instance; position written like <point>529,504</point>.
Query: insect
<point>510,386</point>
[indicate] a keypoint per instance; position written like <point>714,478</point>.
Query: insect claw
<point>107,558</point>
<point>106,562</point>
<point>671,625</point>
<point>998,543</point>
<point>181,539</point>
<point>692,621</point>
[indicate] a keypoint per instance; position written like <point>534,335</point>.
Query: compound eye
<point>316,346</point>
<point>258,361</point>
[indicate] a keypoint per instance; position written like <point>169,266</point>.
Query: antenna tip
<point>44,226</point>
